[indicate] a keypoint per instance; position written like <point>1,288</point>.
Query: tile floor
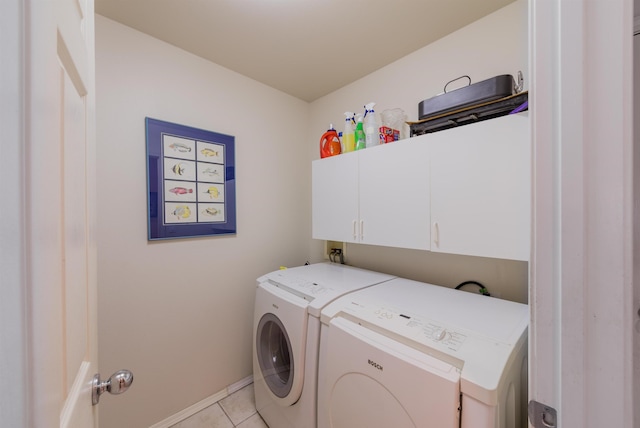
<point>236,410</point>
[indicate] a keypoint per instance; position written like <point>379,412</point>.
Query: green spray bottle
<point>361,141</point>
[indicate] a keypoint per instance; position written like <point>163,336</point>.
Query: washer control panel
<point>308,290</point>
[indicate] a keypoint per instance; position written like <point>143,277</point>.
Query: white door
<point>52,234</point>
<point>581,269</point>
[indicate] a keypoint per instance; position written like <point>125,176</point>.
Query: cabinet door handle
<point>355,233</point>
<point>361,229</point>
<point>436,234</point>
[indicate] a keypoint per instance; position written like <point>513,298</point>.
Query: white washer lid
<point>321,283</point>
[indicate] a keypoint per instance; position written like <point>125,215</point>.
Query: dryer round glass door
<point>273,350</point>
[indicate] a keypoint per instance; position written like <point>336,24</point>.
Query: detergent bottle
<point>348,136</point>
<point>360,140</point>
<point>329,143</point>
<point>371,129</point>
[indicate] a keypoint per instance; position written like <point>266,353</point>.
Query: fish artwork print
<point>209,152</point>
<point>179,168</point>
<point>180,190</point>
<point>182,211</point>
<point>179,147</point>
<point>211,211</point>
<point>213,192</point>
<point>211,172</point>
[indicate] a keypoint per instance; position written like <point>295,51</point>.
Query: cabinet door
<point>335,198</point>
<point>480,189</point>
<point>394,194</point>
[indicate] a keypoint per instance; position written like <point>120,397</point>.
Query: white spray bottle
<point>371,130</point>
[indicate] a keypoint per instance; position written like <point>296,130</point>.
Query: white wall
<point>494,45</point>
<point>178,313</point>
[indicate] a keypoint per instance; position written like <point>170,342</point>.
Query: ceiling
<point>306,48</point>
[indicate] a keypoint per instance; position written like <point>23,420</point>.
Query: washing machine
<point>286,336</point>
<point>408,354</point>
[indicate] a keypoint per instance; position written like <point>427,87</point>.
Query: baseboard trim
<point>203,404</point>
<point>240,384</point>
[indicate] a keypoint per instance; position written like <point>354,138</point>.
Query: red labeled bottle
<point>329,143</point>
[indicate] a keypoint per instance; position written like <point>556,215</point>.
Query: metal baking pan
<point>471,114</point>
<point>484,91</point>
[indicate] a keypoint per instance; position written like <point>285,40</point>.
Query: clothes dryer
<point>409,354</point>
<point>286,335</point>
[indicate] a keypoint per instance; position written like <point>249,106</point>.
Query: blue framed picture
<point>191,181</point>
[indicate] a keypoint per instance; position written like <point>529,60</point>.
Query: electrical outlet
<point>330,245</point>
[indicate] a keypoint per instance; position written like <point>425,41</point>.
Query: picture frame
<point>191,185</point>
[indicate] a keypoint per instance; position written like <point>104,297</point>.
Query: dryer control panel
<point>405,325</point>
<point>449,338</point>
<point>431,331</point>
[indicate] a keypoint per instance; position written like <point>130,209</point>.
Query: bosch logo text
<point>376,365</point>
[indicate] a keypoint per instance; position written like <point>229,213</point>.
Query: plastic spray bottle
<point>360,140</point>
<point>371,129</point>
<point>348,136</point>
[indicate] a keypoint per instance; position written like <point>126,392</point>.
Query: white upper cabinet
<point>394,195</point>
<point>335,198</point>
<point>480,189</point>
<point>377,196</point>
<point>464,190</point>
